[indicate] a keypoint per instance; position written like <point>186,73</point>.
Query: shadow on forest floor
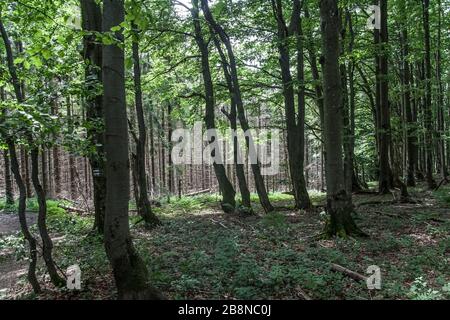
<point>201,253</point>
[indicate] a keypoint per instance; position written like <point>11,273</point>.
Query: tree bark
<point>411,139</point>
<point>339,203</point>
<point>225,186</point>
<point>143,204</point>
<point>255,164</point>
<point>31,276</point>
<point>130,272</point>
<point>385,174</point>
<point>427,108</point>
<point>9,193</point>
<point>92,21</point>
<point>40,194</point>
<point>232,117</point>
<point>295,122</point>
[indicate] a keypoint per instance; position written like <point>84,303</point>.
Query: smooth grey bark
<point>130,272</point>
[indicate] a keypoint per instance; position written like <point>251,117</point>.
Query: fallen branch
<point>219,223</point>
<point>196,193</point>
<point>392,215</point>
<point>302,293</point>
<point>72,209</point>
<point>352,274</point>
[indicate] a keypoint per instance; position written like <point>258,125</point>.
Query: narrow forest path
<point>11,269</point>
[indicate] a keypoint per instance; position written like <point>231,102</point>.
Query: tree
<point>92,54</point>
<point>428,115</point>
<point>144,206</point>
<point>225,186</point>
<point>339,203</point>
<point>295,121</point>
<point>237,96</point>
<point>385,174</point>
<point>47,244</point>
<point>130,272</point>
<point>411,132</point>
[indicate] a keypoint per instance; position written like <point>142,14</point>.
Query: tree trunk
<point>385,174</point>
<point>143,204</point>
<point>23,219</point>
<point>92,21</point>
<point>255,164</point>
<point>225,186</point>
<point>428,115</point>
<point>46,241</point>
<point>25,168</point>
<point>411,139</point>
<point>47,244</point>
<point>294,123</point>
<point>440,99</point>
<point>130,272</point>
<point>9,193</point>
<point>232,117</point>
<point>339,202</point>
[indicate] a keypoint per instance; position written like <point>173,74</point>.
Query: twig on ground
<point>352,274</point>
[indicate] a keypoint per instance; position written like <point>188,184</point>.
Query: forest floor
<point>201,253</point>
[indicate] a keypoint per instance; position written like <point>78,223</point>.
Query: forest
<point>225,150</point>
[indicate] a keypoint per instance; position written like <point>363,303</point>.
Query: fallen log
<point>352,274</point>
<point>196,193</point>
<point>72,209</point>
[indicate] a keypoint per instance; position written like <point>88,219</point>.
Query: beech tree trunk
<point>255,164</point>
<point>225,186</point>
<point>232,117</point>
<point>9,193</point>
<point>411,139</point>
<point>385,174</point>
<point>339,203</point>
<point>92,21</point>
<point>40,194</point>
<point>295,121</point>
<point>130,272</point>
<point>31,276</point>
<point>143,204</point>
<point>428,115</point>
